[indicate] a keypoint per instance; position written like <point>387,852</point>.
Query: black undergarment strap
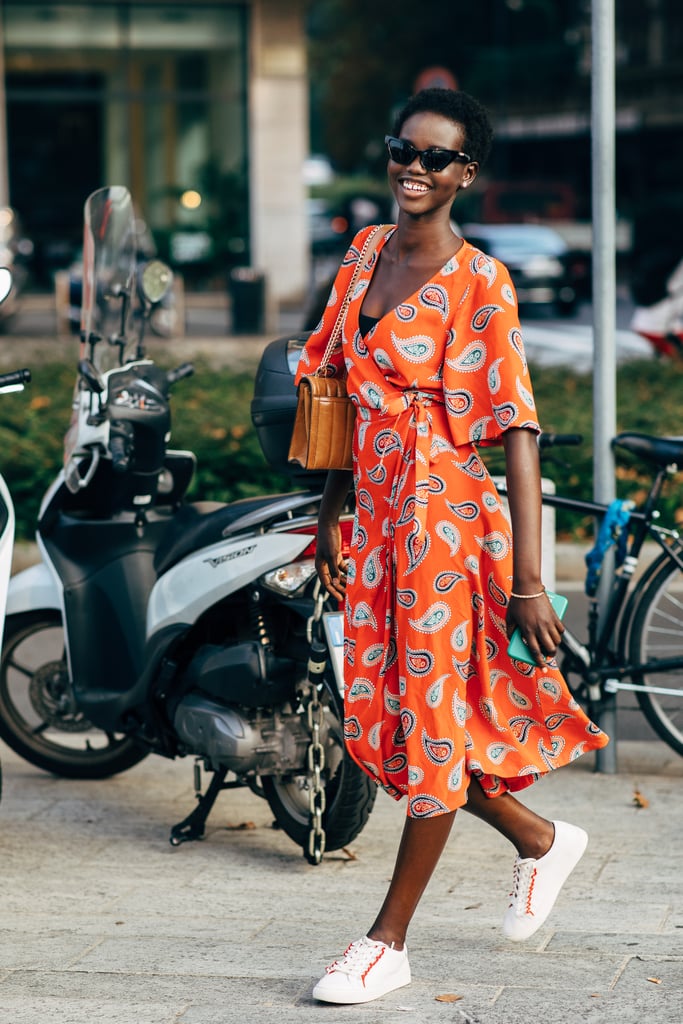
<point>366,323</point>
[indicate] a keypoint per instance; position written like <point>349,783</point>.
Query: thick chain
<point>316,789</point>
<point>315,755</point>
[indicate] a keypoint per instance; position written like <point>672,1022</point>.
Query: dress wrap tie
<point>417,444</point>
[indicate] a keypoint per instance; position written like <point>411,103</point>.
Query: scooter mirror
<point>5,283</point>
<point>156,281</point>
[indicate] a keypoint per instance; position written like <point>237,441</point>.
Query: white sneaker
<point>537,883</point>
<point>367,970</point>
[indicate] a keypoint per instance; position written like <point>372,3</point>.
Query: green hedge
<point>211,416</point>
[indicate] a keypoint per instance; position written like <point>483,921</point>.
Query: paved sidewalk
<point>104,921</point>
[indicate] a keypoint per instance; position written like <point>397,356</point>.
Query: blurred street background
<point>250,136</point>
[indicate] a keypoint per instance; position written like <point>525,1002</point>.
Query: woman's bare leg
<point>421,846</point>
<point>529,833</point>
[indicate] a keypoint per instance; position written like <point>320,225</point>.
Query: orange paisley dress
<point>431,695</point>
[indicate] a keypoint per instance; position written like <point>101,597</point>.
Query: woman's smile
<point>414,186</point>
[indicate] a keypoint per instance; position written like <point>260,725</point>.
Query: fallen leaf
<point>242,827</point>
<point>639,800</point>
<point>473,906</point>
<point>448,997</point>
<point>655,981</point>
<point>349,853</point>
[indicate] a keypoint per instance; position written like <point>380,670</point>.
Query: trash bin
<point>248,298</point>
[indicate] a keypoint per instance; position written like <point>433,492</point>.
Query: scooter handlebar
<point>558,440</point>
<point>15,378</point>
<point>180,372</point>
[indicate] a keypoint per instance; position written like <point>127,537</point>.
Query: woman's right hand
<point>329,562</point>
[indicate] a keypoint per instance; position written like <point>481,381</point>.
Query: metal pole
<point>604,297</point>
<point>4,174</point>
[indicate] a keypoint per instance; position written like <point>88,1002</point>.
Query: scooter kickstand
<point>192,827</point>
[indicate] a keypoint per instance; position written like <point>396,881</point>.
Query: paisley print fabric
<point>431,696</point>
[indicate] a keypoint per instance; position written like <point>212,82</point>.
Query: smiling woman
<point>437,577</point>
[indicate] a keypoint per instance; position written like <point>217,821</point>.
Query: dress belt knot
<point>417,402</point>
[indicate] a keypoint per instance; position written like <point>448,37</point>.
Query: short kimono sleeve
<point>486,361</point>
<point>314,349</point>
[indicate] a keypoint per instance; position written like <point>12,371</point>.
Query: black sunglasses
<point>402,152</point>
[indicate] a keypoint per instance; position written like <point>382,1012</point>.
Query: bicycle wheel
<point>657,633</point>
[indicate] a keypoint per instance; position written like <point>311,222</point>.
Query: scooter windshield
<point>108,262</point>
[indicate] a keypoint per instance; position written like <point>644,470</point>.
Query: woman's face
<point>418,191</point>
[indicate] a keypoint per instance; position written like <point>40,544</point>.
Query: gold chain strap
<point>370,243</point>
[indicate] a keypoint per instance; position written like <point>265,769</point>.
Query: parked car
<point>327,228</point>
<point>541,264</point>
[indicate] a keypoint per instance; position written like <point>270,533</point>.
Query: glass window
<point>35,28</point>
<point>188,27</point>
<point>151,96</point>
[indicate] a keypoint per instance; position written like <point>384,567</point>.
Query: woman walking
<point>435,709</point>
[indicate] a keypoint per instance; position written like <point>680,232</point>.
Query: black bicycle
<point>635,641</point>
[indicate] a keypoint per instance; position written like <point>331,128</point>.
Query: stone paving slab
<point>102,920</point>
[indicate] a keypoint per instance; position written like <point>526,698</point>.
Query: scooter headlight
<point>289,579</point>
<point>135,399</point>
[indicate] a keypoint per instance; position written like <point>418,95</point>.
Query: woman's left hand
<point>540,627</point>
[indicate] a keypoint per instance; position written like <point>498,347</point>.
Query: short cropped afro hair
<point>456,106</point>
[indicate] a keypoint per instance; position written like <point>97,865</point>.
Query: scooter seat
<point>200,524</point>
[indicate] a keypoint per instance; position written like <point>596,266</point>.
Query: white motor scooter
<point>153,624</point>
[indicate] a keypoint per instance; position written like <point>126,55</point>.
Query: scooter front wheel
<point>349,792</point>
<point>38,717</point>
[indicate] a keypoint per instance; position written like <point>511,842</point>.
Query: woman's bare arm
<point>540,626</point>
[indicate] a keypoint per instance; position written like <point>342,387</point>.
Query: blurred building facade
<point>200,109</point>
<point>542,106</point>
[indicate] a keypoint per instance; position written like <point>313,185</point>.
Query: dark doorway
<point>54,131</point>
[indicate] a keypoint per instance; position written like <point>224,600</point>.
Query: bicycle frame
<point>601,671</point>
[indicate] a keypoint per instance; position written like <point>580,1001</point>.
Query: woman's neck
<point>414,241</point>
